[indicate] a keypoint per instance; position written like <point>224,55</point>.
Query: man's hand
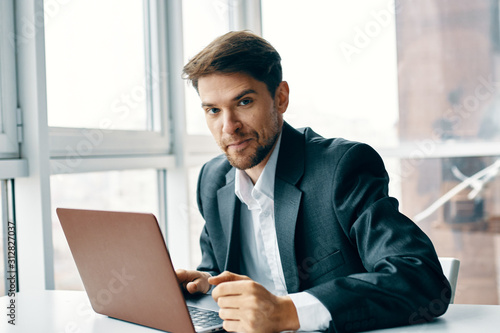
<point>193,281</point>
<point>246,306</point>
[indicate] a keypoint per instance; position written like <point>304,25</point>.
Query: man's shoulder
<point>215,170</point>
<point>329,152</point>
<point>335,145</point>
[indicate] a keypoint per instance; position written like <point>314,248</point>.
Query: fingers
<point>231,319</point>
<point>193,281</point>
<point>198,285</point>
<point>181,275</point>
<point>236,288</point>
<point>226,277</point>
<point>246,306</point>
<point>232,326</point>
<point>253,309</point>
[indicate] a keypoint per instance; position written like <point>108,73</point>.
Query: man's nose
<point>231,123</point>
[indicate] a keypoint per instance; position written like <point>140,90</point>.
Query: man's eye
<point>244,102</point>
<point>213,110</point>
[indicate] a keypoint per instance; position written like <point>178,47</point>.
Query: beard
<point>252,156</point>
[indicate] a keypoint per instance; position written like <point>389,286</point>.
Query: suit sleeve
<point>403,283</point>
<point>208,261</point>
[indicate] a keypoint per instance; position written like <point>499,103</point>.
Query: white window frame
<point>9,145</point>
<point>82,143</point>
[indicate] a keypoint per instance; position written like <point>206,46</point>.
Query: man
<point>300,232</point>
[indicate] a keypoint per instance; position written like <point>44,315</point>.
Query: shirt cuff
<point>313,315</point>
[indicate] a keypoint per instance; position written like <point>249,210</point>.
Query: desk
<point>70,312</point>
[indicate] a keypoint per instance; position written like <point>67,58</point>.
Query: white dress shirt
<point>260,257</point>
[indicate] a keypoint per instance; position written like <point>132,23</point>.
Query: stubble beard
<point>242,161</point>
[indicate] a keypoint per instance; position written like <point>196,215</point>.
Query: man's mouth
<point>238,145</point>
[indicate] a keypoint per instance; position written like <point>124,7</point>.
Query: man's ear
<point>281,97</point>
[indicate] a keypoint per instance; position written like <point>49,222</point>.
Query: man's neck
<point>255,172</point>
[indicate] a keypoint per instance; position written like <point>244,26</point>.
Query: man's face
<point>243,117</point>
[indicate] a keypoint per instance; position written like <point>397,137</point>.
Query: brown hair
<point>234,52</point>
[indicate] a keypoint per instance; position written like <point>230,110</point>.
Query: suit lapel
<point>287,197</point>
<point>229,212</point>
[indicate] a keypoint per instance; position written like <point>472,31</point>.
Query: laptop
<point>127,272</point>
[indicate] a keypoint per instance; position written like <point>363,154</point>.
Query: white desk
<point>70,312</point>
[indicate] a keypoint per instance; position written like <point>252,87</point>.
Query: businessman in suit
<point>300,232</point>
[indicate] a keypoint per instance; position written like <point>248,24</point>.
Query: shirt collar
<point>246,191</point>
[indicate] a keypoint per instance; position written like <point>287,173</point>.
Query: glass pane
<point>340,63</point>
<point>203,21</point>
<point>448,53</point>
<point>448,60</point>
<point>96,68</point>
<point>135,190</point>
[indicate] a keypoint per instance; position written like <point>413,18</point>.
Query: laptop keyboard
<point>203,317</point>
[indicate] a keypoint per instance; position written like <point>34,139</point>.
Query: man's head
<point>237,52</point>
<point>238,77</point>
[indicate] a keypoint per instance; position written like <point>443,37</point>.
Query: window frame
<point>101,142</point>
<point>9,145</point>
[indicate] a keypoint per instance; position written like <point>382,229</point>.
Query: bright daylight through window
<point>96,66</point>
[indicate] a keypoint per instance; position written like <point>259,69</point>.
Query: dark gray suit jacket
<point>341,237</point>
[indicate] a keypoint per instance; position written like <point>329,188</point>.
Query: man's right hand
<point>193,281</point>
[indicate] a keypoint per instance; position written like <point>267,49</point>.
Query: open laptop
<point>127,272</point>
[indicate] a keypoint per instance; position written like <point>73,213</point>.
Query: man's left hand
<point>246,306</point>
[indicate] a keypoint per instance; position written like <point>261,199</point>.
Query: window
<point>418,82</point>
<point>355,95</point>
<point>96,73</point>
<point>106,85</point>
<point>9,145</point>
<point>108,113</point>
